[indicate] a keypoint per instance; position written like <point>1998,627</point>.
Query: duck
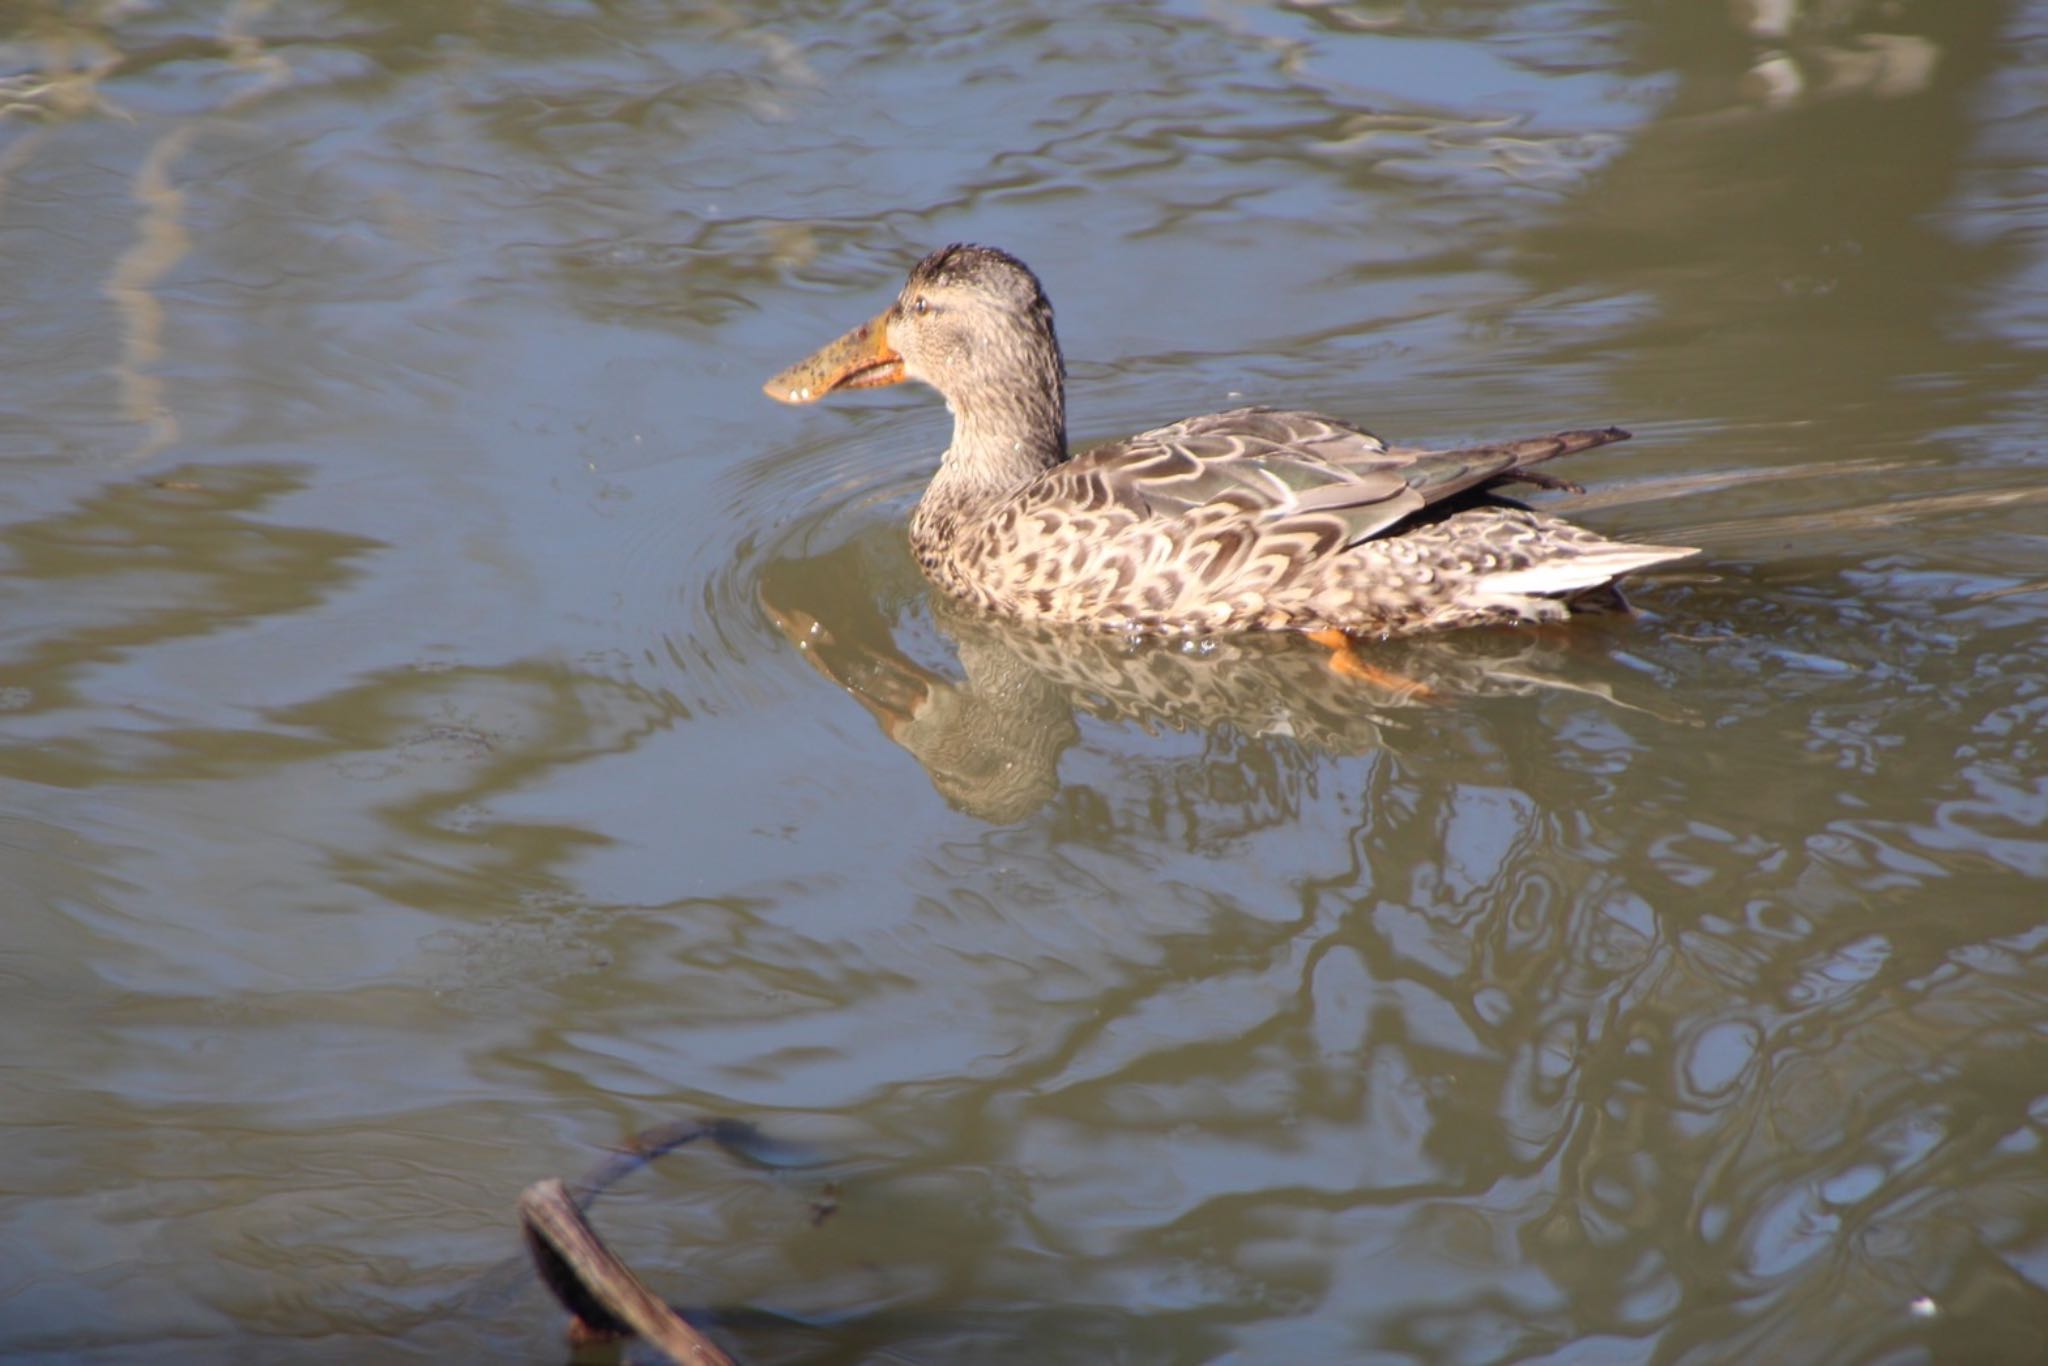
<point>1254,519</point>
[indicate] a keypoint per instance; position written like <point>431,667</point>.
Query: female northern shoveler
<point>1254,519</point>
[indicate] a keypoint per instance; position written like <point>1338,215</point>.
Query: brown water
<point>453,721</point>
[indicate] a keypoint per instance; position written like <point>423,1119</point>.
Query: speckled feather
<point>1248,519</point>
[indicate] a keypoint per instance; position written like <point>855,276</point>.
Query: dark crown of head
<point>964,263</point>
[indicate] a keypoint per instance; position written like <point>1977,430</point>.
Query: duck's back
<point>1261,518</point>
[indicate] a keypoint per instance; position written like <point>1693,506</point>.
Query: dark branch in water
<point>595,1286</point>
<point>603,1296</point>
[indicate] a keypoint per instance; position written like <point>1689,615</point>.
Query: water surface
<point>452,721</point>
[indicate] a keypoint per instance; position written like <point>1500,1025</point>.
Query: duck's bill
<point>862,359</point>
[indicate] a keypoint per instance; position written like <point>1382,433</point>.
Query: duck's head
<point>972,322</point>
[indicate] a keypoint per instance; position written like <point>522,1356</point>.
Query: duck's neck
<point>995,453</point>
<point>1002,440</point>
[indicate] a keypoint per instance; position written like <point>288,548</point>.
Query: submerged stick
<point>595,1286</point>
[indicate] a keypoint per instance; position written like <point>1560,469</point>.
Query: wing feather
<point>1280,465</point>
<point>1245,499</point>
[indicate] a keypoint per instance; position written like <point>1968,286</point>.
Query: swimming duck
<point>1252,519</point>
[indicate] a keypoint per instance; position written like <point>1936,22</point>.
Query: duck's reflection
<point>991,738</point>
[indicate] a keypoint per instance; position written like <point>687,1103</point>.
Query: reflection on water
<point>992,740</point>
<point>447,725</point>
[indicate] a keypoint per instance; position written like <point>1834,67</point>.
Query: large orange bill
<point>862,359</point>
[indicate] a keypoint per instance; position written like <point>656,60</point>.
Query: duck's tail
<point>1583,570</point>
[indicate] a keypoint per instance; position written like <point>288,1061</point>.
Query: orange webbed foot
<point>1347,662</point>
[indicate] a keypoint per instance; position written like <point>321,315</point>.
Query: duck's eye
<point>919,305</point>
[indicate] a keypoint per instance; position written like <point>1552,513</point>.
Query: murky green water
<point>453,721</point>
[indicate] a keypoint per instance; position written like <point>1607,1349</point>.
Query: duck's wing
<point>1292,468</point>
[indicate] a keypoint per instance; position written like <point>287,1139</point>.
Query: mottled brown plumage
<point>1250,519</point>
